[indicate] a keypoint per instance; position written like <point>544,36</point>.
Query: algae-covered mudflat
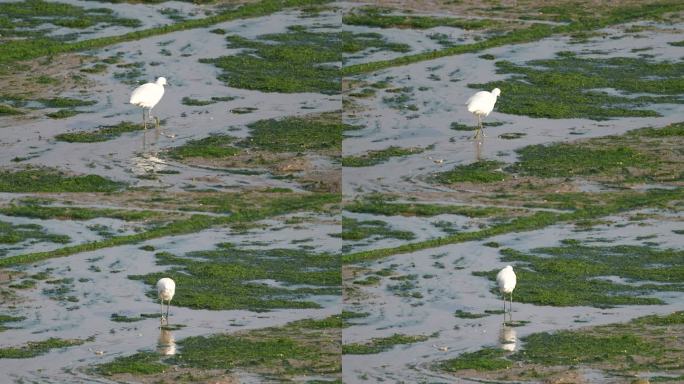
<point>577,185</point>
<point>314,189</point>
<point>235,196</point>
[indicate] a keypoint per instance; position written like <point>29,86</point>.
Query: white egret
<point>506,280</point>
<point>481,104</point>
<point>166,287</point>
<point>147,96</point>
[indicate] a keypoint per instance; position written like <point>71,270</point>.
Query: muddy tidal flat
<point>329,211</point>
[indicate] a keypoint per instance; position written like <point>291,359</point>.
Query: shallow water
<point>106,290</point>
<point>137,153</point>
<point>449,289</point>
<point>442,100</point>
<point>100,285</point>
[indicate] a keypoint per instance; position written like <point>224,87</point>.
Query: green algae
<point>229,278</point>
<point>576,275</point>
<point>311,57</point>
<point>571,86</point>
<point>487,359</point>
<point>37,348</point>
<point>377,157</point>
<point>381,344</point>
<point>483,171</point>
<point>102,133</point>
<point>17,233</point>
<point>384,205</point>
<point>52,180</point>
<point>356,230</point>
<point>375,17</point>
<point>216,146</point>
<point>310,347</point>
<point>297,134</point>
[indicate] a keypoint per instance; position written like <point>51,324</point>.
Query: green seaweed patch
<point>461,314</point>
<point>295,349</point>
<point>364,93</point>
<point>37,348</point>
<point>381,205</point>
<point>456,126</point>
<point>243,208</point>
<point>376,157</point>
<point>676,318</point>
<point>571,347</point>
<point>26,49</point>
<point>370,280</point>
<point>567,160</point>
<point>38,14</point>
<point>24,284</point>
<point>17,233</point>
<point>142,363</point>
<point>672,130</point>
<point>483,171</point>
<point>215,146</point>
<point>576,275</point>
<point>230,278</point>
<point>349,316</point>
<point>356,230</point>
<point>9,319</point>
<point>297,134</point>
<point>381,344</point>
<point>512,135</point>
<point>584,205</point>
<point>7,110</point>
<point>375,17</point>
<point>487,359</point>
<point>311,56</point>
<point>75,213</point>
<point>199,103</point>
<point>62,114</point>
<point>53,180</point>
<point>570,86</point>
<point>124,319</point>
<point>102,133</point>
<point>642,345</point>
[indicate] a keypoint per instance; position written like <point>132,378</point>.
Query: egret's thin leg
<point>168,304</point>
<point>511,306</point>
<point>477,131</point>
<point>161,303</point>
<point>144,121</point>
<point>503,295</point>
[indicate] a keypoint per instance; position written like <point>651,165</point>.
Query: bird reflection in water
<point>508,339</point>
<point>148,162</point>
<point>478,149</point>
<point>166,345</point>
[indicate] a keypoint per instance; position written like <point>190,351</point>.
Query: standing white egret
<point>147,96</point>
<point>506,280</point>
<point>480,105</point>
<point>165,289</point>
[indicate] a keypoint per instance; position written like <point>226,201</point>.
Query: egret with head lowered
<point>506,280</point>
<point>481,105</point>
<point>147,96</point>
<point>166,288</point>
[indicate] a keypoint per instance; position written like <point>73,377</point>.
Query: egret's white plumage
<point>481,105</point>
<point>147,96</point>
<point>166,288</point>
<point>506,280</point>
